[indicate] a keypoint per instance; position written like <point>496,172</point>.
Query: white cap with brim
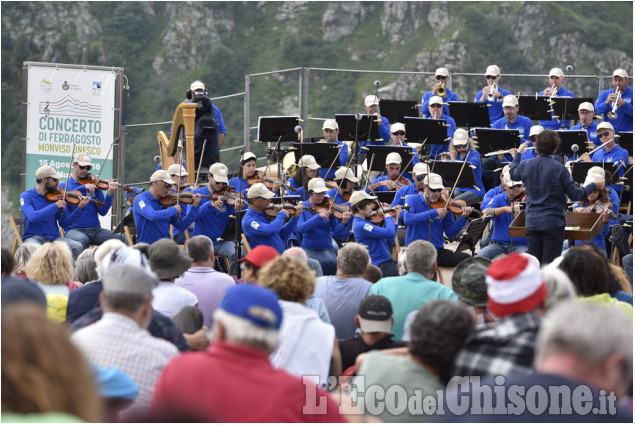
<point>259,190</point>
<point>162,175</point>
<point>510,100</point>
<point>309,162</point>
<point>442,71</point>
<point>508,180</point>
<point>535,130</point>
<point>83,159</point>
<point>197,85</point>
<point>586,106</point>
<point>420,168</point>
<point>330,125</point>
<point>606,125</point>
<point>493,70</point>
<point>435,100</point>
<point>460,137</point>
<point>177,170</point>
<point>247,156</point>
<point>317,185</point>
<point>371,100</point>
<point>556,72</point>
<point>47,171</point>
<point>219,172</point>
<point>620,73</point>
<point>359,196</point>
<point>397,127</point>
<point>433,181</point>
<point>393,158</point>
<point>346,173</point>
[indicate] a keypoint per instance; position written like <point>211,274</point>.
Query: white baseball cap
<point>397,127</point>
<point>393,158</point>
<point>358,196</point>
<point>162,175</point>
<point>460,137</point>
<point>330,124</point>
<point>620,73</point>
<point>371,100</point>
<point>259,190</point>
<point>510,100</point>
<point>605,124</point>
<point>247,156</point>
<point>317,185</point>
<point>47,171</point>
<point>442,71</point>
<point>435,99</point>
<point>433,181</point>
<point>176,169</point>
<point>493,70</point>
<point>197,85</point>
<point>83,159</point>
<point>535,130</point>
<point>219,172</point>
<point>345,173</point>
<point>309,162</point>
<point>507,178</point>
<point>587,106</point>
<point>420,168</point>
<point>556,72</point>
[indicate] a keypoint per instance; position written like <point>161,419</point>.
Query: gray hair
<point>242,331</point>
<point>559,286</point>
<point>103,250</point>
<point>22,256</point>
<point>353,258</point>
<point>85,270</point>
<point>297,253</point>
<point>200,248</point>
<point>591,332</point>
<point>420,257</point>
<point>118,277</point>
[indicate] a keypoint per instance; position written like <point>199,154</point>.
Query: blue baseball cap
<point>114,383</point>
<point>257,304</point>
<point>135,191</point>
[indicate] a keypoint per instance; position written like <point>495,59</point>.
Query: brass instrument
<point>184,117</point>
<point>440,91</point>
<point>490,95</point>
<point>613,114</point>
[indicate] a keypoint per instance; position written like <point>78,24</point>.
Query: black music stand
<point>469,114</point>
<point>580,169</point>
<point>418,129</point>
<point>535,107</point>
<point>270,129</point>
<point>449,170</point>
<point>289,199</point>
<point>572,104</point>
<point>472,235</point>
<point>381,152</point>
<point>385,196</point>
<point>229,233</point>
<point>364,129</point>
<point>396,110</point>
<point>568,138</point>
<point>625,140</point>
<point>325,154</point>
<point>494,140</point>
<point>128,220</point>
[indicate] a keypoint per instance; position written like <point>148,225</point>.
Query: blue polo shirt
<point>618,156</point>
<point>89,218</point>
<point>450,96</point>
<point>502,222</point>
<point>591,131</point>
<point>259,231</point>
<point>556,124</point>
<point>376,238</point>
<point>41,216</point>
<point>341,231</point>
<point>420,219</point>
<point>624,120</point>
<point>316,232</point>
<point>211,222</point>
<point>522,124</point>
<point>153,221</point>
<point>495,108</point>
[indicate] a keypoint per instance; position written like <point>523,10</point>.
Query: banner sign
<point>69,106</point>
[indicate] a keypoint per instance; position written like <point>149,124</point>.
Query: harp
<point>184,117</point>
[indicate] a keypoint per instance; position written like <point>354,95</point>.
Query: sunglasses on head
<point>399,133</point>
<point>85,167</point>
<point>434,190</point>
<point>436,106</point>
<point>606,133</point>
<point>490,77</point>
<point>440,77</point>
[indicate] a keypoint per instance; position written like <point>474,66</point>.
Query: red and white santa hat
<point>514,285</point>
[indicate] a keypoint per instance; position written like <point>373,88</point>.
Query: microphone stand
<point>237,250</point>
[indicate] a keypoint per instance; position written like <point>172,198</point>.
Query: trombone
<point>613,114</point>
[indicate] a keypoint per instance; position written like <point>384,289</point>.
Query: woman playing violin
<point>87,230</point>
<point>391,180</point>
<point>428,219</point>
<point>307,170</point>
<point>345,181</point>
<point>317,226</point>
<point>246,171</point>
<point>460,147</point>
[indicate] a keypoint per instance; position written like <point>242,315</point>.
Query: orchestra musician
<point>512,120</point>
<point>257,227</point>
<point>87,230</point>
<point>624,109</point>
<point>41,216</point>
<point>492,93</point>
<point>391,180</point>
<point>398,137</point>
<point>178,174</point>
<point>151,220</point>
<point>611,152</point>
<point>316,228</point>
<point>307,169</point>
<point>441,80</point>
<point>555,89</point>
<point>419,172</point>
<point>331,131</point>
<point>371,105</point>
<point>546,184</point>
<point>345,180</point>
<point>428,219</point>
<point>437,112</point>
<point>376,238</point>
<point>504,208</point>
<point>462,148</point>
<point>214,214</point>
<point>586,112</point>
<point>246,170</point>
<point>533,133</point>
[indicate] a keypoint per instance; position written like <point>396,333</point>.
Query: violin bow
<point>103,164</point>
<point>68,177</point>
<point>200,163</point>
<point>412,157</point>
<point>368,185</point>
<point>457,180</point>
<point>339,149</point>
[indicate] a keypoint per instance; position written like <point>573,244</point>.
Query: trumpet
<point>490,95</point>
<point>440,91</point>
<point>613,114</point>
<point>552,92</point>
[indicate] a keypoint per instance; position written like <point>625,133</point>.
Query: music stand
<point>494,140</point>
<point>230,230</point>
<point>270,129</point>
<point>366,129</point>
<point>386,196</point>
<point>625,140</point>
<point>128,220</point>
<point>381,152</point>
<point>418,129</point>
<point>535,107</point>
<point>325,153</point>
<point>396,110</point>
<point>469,114</point>
<point>572,104</point>
<point>580,169</point>
<point>449,170</point>
<point>568,138</point>
<point>472,235</point>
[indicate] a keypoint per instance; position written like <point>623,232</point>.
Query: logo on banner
<point>46,85</point>
<point>65,86</point>
<point>96,87</point>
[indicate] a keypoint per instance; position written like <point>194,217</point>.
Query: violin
<point>230,197</point>
<point>259,177</point>
<point>601,207</point>
<point>455,206</point>
<point>103,183</point>
<point>329,205</point>
<point>378,216</point>
<point>73,197</point>
<point>187,198</point>
<point>401,182</point>
<point>273,209</point>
